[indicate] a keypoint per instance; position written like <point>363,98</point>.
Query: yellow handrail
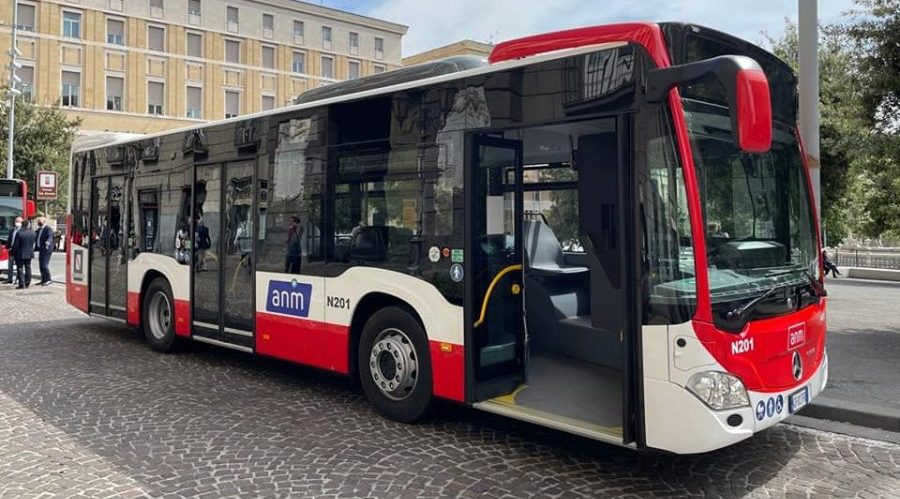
<point>490,289</point>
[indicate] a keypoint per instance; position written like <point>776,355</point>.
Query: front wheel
<point>394,366</point>
<point>159,316</point>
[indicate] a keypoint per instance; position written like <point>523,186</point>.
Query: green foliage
<point>43,141</point>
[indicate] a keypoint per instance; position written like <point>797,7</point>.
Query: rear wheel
<point>394,366</point>
<point>159,316</point>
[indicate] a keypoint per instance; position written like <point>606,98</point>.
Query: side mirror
<point>746,87</point>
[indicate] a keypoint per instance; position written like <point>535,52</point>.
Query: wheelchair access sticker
<point>767,408</point>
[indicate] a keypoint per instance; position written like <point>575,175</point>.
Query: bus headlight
<point>718,390</point>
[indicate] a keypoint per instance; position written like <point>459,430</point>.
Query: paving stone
<point>87,410</point>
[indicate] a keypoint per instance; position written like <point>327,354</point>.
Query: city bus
<point>607,230</point>
<point>14,203</point>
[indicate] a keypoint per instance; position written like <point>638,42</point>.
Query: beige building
<point>148,65</point>
<point>464,47</point>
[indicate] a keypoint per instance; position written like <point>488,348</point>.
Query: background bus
<point>13,203</point>
<point>606,230</point>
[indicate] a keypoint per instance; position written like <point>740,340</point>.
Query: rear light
<point>718,390</point>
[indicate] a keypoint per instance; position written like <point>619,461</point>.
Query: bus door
<point>223,280</point>
<point>492,269</point>
<point>109,246</point>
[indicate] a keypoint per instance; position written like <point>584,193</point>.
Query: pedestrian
<point>183,244</point>
<point>204,243</point>
<point>44,249</point>
<point>829,265</point>
<point>294,252</point>
<point>23,249</point>
<point>12,256</point>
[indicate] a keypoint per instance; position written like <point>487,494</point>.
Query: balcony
<point>298,39</point>
<point>233,26</point>
<point>194,17</point>
<point>268,33</point>
<point>156,12</point>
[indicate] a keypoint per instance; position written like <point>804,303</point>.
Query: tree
<point>842,133</point>
<point>43,141</point>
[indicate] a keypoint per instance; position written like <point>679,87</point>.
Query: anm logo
<point>290,298</point>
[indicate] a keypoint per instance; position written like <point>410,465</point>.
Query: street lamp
<point>13,91</point>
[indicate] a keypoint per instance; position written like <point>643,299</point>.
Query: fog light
<point>718,390</point>
<point>735,420</point>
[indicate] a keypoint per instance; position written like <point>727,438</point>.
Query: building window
<point>233,51</point>
<point>268,57</point>
<point>25,17</point>
<point>326,37</point>
<point>156,8</point>
<point>379,48</point>
<point>71,24</point>
<point>232,19</point>
<point>268,102</point>
<point>354,43</point>
<point>327,67</point>
<point>268,26</point>
<point>115,31</point>
<point>156,38</point>
<point>194,102</point>
<point>378,69</point>
<point>298,32</point>
<point>298,62</point>
<point>155,97</point>
<point>352,70</point>
<point>194,11</point>
<point>232,103</point>
<point>71,84</point>
<point>26,74</point>
<point>115,87</point>
<point>195,44</point>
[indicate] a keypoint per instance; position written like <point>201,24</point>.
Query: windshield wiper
<point>739,311</point>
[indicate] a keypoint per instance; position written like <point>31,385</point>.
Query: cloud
<point>433,23</point>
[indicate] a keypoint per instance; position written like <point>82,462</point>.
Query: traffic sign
<point>47,186</point>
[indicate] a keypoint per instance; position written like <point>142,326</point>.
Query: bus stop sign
<point>46,186</point>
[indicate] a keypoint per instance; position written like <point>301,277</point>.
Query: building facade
<point>143,66</point>
<point>463,47</point>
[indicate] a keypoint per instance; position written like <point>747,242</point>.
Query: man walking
<point>23,249</point>
<point>294,253</point>
<point>13,259</point>
<point>44,249</point>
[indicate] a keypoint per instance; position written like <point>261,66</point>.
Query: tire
<point>394,365</point>
<point>158,315</point>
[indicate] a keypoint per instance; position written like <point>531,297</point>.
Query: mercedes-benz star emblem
<point>797,366</point>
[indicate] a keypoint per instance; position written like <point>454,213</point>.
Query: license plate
<point>798,399</point>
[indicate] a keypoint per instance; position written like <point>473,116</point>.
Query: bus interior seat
<point>368,245</point>
<point>545,254</point>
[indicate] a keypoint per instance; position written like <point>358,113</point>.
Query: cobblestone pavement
<point>86,410</point>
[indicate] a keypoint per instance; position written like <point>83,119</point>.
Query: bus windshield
<point>10,208</point>
<point>756,208</point>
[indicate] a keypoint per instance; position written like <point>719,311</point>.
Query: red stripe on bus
<point>314,343</point>
<point>183,318</point>
<point>448,370</point>
<point>134,308</point>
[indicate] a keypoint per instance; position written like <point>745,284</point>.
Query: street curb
<point>870,416</point>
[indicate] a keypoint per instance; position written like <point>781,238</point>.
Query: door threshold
<point>504,407</point>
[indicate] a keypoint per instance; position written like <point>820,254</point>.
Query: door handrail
<point>490,290</point>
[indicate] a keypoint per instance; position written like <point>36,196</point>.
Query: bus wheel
<point>159,316</point>
<point>394,367</point>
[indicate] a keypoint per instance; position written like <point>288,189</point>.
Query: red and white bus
<point>605,230</point>
<point>14,203</point>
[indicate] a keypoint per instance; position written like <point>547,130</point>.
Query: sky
<point>433,23</point>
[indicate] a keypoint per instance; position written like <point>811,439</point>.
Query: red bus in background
<point>14,203</point>
<point>606,230</point>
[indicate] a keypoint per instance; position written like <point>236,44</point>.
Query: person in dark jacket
<point>44,249</point>
<point>23,250</point>
<point>12,257</point>
<point>293,251</point>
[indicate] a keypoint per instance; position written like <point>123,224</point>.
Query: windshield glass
<point>756,208</point>
<point>10,208</point>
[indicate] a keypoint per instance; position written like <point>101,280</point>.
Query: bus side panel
<point>179,279</point>
<point>442,320</point>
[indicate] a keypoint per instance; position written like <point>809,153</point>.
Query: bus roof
<point>364,93</point>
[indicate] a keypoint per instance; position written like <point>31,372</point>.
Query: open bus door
<point>495,325</point>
